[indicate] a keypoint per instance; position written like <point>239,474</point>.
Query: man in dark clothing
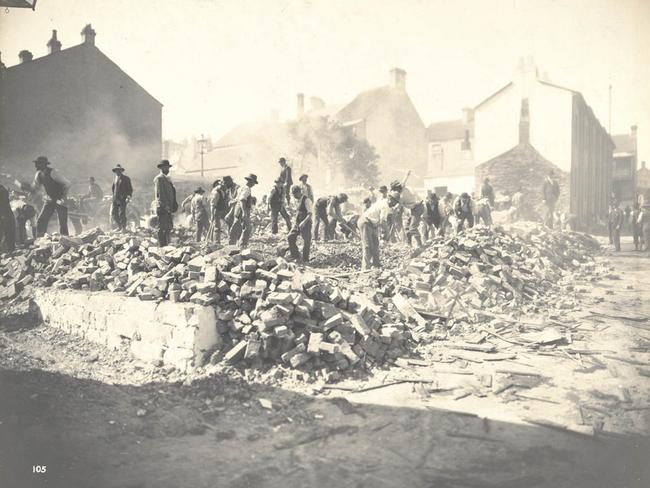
<point>320,214</point>
<point>166,204</point>
<point>487,191</point>
<point>464,210</point>
<point>431,215</point>
<point>335,215</point>
<point>551,193</point>
<point>7,223</point>
<point>285,177</point>
<point>276,204</point>
<point>301,227</point>
<point>24,212</point>
<point>218,205</point>
<point>230,189</point>
<point>616,218</point>
<point>122,192</point>
<point>56,190</point>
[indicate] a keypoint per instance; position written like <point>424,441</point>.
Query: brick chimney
<point>25,56</point>
<point>88,35</point>
<point>398,78</point>
<point>53,45</point>
<point>300,105</point>
<point>524,122</point>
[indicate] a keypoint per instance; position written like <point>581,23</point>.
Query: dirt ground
<point>91,417</point>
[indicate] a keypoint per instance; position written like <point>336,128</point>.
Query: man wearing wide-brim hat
<point>240,230</point>
<point>166,204</point>
<point>276,205</point>
<point>55,188</point>
<point>199,213</point>
<point>305,187</point>
<point>122,192</point>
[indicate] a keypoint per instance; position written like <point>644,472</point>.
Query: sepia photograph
<point>324,243</point>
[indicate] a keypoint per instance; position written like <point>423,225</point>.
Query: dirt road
<point>90,418</point>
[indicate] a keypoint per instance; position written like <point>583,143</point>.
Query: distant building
<point>559,124</point>
<point>643,179</point>
<point>384,116</point>
<point>78,108</point>
<point>450,161</point>
<point>624,173</point>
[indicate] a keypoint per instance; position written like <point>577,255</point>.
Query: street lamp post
<point>202,143</point>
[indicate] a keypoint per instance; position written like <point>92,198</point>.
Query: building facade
<point>78,108</point>
<point>624,168</point>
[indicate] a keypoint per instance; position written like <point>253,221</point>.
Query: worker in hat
<point>487,191</point>
<point>276,205</point>
<point>166,204</point>
<point>55,188</point>
<point>95,193</point>
<point>306,187</point>
<point>335,215</point>
<point>287,180</point>
<point>301,226</point>
<point>199,213</point>
<point>369,224</point>
<point>615,223</point>
<point>464,211</point>
<point>431,217</point>
<point>230,190</point>
<point>122,192</point>
<point>411,202</point>
<point>7,223</point>
<point>240,230</point>
<point>218,207</point>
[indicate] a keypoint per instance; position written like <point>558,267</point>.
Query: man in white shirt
<point>240,231</point>
<point>369,224</point>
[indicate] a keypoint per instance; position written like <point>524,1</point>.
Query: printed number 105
<point>39,469</point>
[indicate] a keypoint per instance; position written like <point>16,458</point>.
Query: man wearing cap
<point>334,215</point>
<point>306,187</point>
<point>301,227</point>
<point>95,193</point>
<point>276,206</point>
<point>230,189</point>
<point>199,213</point>
<point>166,204</point>
<point>122,192</point>
<point>369,224</point>
<point>464,210</point>
<point>218,208</point>
<point>287,180</point>
<point>240,231</point>
<point>415,206</point>
<point>56,190</point>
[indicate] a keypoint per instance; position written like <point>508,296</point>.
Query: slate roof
<point>448,130</point>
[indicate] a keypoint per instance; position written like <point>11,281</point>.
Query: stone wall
<point>175,334</point>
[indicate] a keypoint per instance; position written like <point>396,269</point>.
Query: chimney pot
<point>88,35</point>
<point>300,105</point>
<point>54,45</point>
<point>398,78</point>
<point>25,56</point>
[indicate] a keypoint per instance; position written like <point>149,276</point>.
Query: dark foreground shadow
<point>217,433</point>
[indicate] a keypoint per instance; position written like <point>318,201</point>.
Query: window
<point>436,161</point>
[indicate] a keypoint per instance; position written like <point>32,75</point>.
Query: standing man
<point>411,202</point>
<point>487,191</point>
<point>166,204</point>
<point>287,180</point>
<point>56,190</point>
<point>302,226</point>
<point>644,222</point>
<point>369,224</point>
<point>551,193</point>
<point>446,212</point>
<point>616,219</point>
<point>637,235</point>
<point>306,187</point>
<point>464,210</point>
<point>431,215</point>
<point>218,208</point>
<point>230,189</point>
<point>7,223</point>
<point>122,192</point>
<point>95,194</point>
<point>320,215</point>
<point>240,231</point>
<point>276,205</point>
<point>199,213</point>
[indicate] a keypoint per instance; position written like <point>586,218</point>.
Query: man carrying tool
<point>369,224</point>
<point>415,206</point>
<point>285,177</point>
<point>301,227</point>
<point>166,204</point>
<point>464,210</point>
<point>276,206</point>
<point>335,215</point>
<point>122,192</point>
<point>240,231</point>
<point>56,190</point>
<point>320,215</point>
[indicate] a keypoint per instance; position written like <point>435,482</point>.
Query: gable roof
<point>364,104</point>
<point>67,54</point>
<point>448,130</point>
<point>499,91</point>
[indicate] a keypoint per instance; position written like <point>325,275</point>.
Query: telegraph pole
<point>609,128</point>
<point>202,143</point>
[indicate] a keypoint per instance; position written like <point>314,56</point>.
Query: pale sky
<point>217,63</point>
